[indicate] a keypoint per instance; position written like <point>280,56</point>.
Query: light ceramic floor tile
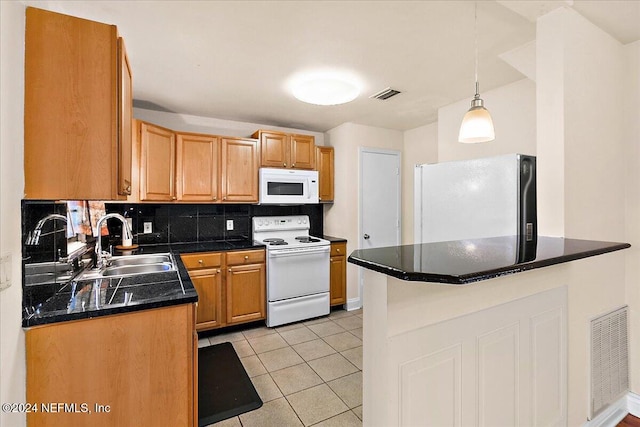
<point>316,404</point>
<point>296,336</point>
<point>228,337</point>
<point>280,359</point>
<point>313,349</point>
<point>337,314</point>
<point>229,422</point>
<point>266,388</point>
<point>359,315</point>
<point>289,327</point>
<point>258,332</point>
<point>345,419</point>
<point>242,348</point>
<point>203,342</point>
<point>295,378</point>
<point>343,341</point>
<point>354,355</point>
<point>316,321</point>
<point>351,322</point>
<point>326,328</point>
<point>332,367</point>
<point>277,412</point>
<point>358,411</point>
<point>357,312</point>
<point>266,343</point>
<point>357,332</point>
<point>253,366</point>
<point>349,389</point>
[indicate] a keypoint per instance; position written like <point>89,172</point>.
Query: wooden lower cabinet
<point>231,286</point>
<point>141,367</point>
<point>338,273</point>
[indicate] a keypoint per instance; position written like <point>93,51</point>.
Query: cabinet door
<point>274,149</point>
<point>157,163</point>
<point>125,118</point>
<point>338,280</point>
<point>240,165</point>
<point>303,152</point>
<point>208,284</point>
<point>324,165</point>
<point>245,293</point>
<point>198,163</point>
<point>70,103</point>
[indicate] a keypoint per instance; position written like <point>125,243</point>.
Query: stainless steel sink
<point>132,265</point>
<point>140,260</point>
<point>128,270</point>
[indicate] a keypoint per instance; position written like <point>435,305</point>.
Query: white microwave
<point>288,186</point>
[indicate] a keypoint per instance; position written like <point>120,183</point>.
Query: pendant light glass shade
<point>477,125</point>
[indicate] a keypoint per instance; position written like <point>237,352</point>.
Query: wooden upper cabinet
<point>326,174</point>
<point>274,149</point>
<point>125,120</point>
<point>157,163</point>
<point>283,150</point>
<point>240,166</point>
<point>76,108</point>
<point>303,151</point>
<point>198,168</point>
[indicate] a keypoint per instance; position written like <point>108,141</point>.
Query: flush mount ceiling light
<point>325,88</point>
<point>477,125</point>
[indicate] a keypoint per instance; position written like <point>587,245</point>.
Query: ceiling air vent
<point>385,94</point>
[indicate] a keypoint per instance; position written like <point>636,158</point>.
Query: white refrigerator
<point>479,198</point>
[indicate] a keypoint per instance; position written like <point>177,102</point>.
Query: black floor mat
<point>224,388</point>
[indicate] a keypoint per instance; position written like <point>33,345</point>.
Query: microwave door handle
<point>308,188</point>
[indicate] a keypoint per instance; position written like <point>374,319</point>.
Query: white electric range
<point>297,268</point>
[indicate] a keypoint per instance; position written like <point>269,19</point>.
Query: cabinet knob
<point>217,271</point>
<point>229,270</point>
<point>224,198</point>
<point>284,164</point>
<point>246,257</point>
<point>337,249</point>
<point>200,261</point>
<point>215,198</point>
<point>127,189</point>
<point>174,198</point>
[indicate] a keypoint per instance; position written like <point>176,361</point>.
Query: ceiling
<point>233,59</point>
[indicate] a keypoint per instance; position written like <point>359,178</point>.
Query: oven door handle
<point>283,253</point>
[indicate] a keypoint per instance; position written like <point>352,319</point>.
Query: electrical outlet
<point>148,227</point>
<point>229,224</point>
<point>5,272</point>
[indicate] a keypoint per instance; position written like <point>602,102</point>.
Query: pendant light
<point>477,125</point>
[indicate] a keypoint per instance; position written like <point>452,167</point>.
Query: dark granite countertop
<point>146,291</point>
<point>333,239</point>
<point>466,261</point>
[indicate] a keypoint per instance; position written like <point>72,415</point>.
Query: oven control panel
<point>291,222</point>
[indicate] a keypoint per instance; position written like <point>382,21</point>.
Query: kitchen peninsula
<point>498,350</point>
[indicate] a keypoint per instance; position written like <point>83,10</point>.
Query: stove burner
<point>274,241</point>
<point>306,239</point>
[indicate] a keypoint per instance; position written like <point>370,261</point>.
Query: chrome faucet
<point>127,237</point>
<point>34,238</point>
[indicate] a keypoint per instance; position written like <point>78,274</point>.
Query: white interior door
<point>379,198</point>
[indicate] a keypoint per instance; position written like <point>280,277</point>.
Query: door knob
<point>366,237</point>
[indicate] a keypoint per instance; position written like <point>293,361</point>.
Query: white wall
<point>420,146</point>
<point>513,110</point>
<point>632,233</point>
<point>341,218</point>
<point>212,126</point>
<point>581,181</point>
<point>12,346</point>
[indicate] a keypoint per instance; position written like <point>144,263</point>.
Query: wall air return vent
<point>385,94</point>
<point>609,359</point>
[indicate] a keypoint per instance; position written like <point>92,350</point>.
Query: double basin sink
<point>131,265</point>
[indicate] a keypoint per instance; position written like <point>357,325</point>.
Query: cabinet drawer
<point>338,249</point>
<point>245,257</point>
<point>202,260</point>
